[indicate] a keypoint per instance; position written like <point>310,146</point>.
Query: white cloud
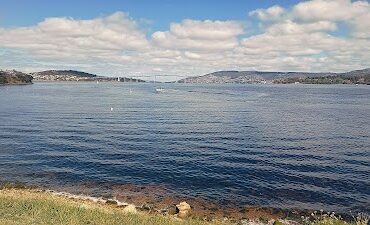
<point>361,25</point>
<point>67,36</point>
<point>271,14</point>
<point>290,27</point>
<point>157,69</point>
<point>200,35</point>
<point>323,13</point>
<point>332,10</point>
<point>301,38</point>
<point>192,55</point>
<point>356,14</point>
<point>206,30</point>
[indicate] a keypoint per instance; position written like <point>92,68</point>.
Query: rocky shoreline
<point>153,200</point>
<point>183,210</point>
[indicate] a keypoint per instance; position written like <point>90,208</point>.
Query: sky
<point>184,38</point>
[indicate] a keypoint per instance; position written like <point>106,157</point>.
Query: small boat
<point>159,90</point>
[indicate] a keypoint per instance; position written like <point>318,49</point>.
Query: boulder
<point>184,209</point>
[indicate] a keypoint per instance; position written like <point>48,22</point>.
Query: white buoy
<point>111,108</point>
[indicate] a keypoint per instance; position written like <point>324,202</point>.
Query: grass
<point>31,207</point>
<point>26,207</point>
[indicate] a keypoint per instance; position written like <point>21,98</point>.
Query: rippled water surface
<point>288,146</point>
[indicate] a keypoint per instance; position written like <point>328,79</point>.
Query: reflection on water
<point>288,146</point>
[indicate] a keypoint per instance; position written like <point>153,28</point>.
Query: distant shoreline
<point>219,77</point>
<point>273,83</point>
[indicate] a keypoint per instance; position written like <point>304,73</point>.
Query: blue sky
<point>160,12</point>
<point>184,38</point>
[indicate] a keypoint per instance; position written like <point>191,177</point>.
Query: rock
<point>263,220</point>
<point>244,222</point>
<point>184,209</point>
<point>111,201</point>
<point>169,210</point>
<point>122,204</point>
<point>147,207</point>
<point>98,200</point>
<point>172,210</point>
<point>130,209</point>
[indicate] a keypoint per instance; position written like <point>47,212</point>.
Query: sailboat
<point>158,89</point>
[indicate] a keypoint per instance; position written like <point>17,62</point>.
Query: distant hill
<point>355,73</point>
<point>64,75</point>
<point>352,77</point>
<point>72,75</point>
<point>263,77</point>
<point>14,77</point>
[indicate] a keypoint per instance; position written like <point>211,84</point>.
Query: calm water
<point>289,146</point>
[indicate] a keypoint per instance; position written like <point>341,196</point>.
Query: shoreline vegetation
<point>30,205</point>
<point>355,77</point>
